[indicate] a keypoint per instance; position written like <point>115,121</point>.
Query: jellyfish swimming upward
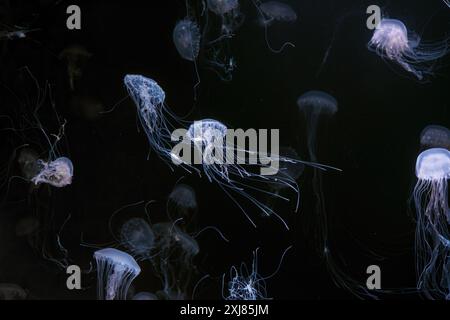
<point>115,270</point>
<point>393,42</point>
<point>433,220</point>
<point>435,136</point>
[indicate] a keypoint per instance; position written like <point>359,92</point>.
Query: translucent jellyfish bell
<point>115,270</point>
<point>315,104</point>
<point>276,11</point>
<point>182,203</point>
<point>57,173</point>
<point>433,219</point>
<point>137,236</point>
<point>392,41</point>
<point>221,7</point>
<point>145,296</point>
<point>435,137</point>
<point>11,291</point>
<point>186,37</point>
<point>28,161</point>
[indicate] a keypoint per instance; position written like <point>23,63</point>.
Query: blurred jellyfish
<point>434,136</point>
<point>392,41</point>
<point>145,296</point>
<point>28,161</point>
<point>137,236</point>
<point>57,173</point>
<point>182,203</point>
<point>186,37</point>
<point>10,291</point>
<point>115,270</point>
<point>248,285</point>
<point>229,12</point>
<point>433,219</point>
<point>76,57</point>
<point>273,11</point>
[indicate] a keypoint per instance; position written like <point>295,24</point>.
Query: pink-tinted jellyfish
<point>57,173</point>
<point>433,220</point>
<point>393,42</point>
<point>115,270</point>
<point>270,12</point>
<point>435,136</point>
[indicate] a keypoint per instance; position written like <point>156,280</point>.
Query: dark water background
<point>373,138</point>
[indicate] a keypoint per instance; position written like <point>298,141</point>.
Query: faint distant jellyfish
<point>115,270</point>
<point>145,296</point>
<point>10,291</point>
<point>392,41</point>
<point>315,104</point>
<point>28,161</point>
<point>186,37</point>
<point>270,12</point>
<point>435,137</point>
<point>57,173</point>
<point>137,236</point>
<point>182,203</point>
<point>433,219</point>
<point>229,11</point>
<point>76,57</point>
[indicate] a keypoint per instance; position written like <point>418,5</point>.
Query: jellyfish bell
<point>57,173</point>
<point>137,236</point>
<point>115,270</point>
<point>186,37</point>
<point>145,296</point>
<point>182,203</point>
<point>28,161</point>
<point>433,165</point>
<point>11,291</point>
<point>271,11</point>
<point>392,41</point>
<point>435,136</point>
<point>221,7</point>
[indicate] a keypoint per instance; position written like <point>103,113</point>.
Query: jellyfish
<point>28,161</point>
<point>432,222</point>
<point>435,136</point>
<point>115,270</point>
<point>248,285</point>
<point>392,41</point>
<point>76,57</point>
<point>11,291</point>
<point>228,11</point>
<point>182,203</point>
<point>270,12</point>
<point>145,296</point>
<point>137,236</point>
<point>186,37</point>
<point>57,173</point>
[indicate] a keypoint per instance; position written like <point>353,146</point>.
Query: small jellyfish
<point>315,104</point>
<point>137,236</point>
<point>392,41</point>
<point>57,173</point>
<point>115,270</point>
<point>229,11</point>
<point>432,219</point>
<point>186,37</point>
<point>10,291</point>
<point>273,11</point>
<point>434,136</point>
<point>145,296</point>
<point>76,57</point>
<point>28,161</point>
<point>182,203</point>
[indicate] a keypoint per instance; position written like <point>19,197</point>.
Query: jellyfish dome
<point>317,102</point>
<point>57,173</point>
<point>145,296</point>
<point>221,7</point>
<point>433,164</point>
<point>116,270</point>
<point>186,37</point>
<point>137,237</point>
<point>435,136</point>
<point>276,11</point>
<point>392,41</point>
<point>182,202</point>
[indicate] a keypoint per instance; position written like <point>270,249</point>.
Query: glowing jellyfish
<point>315,104</point>
<point>392,41</point>
<point>57,173</point>
<point>10,291</point>
<point>115,270</point>
<point>145,296</point>
<point>182,203</point>
<point>28,161</point>
<point>186,37</point>
<point>229,11</point>
<point>433,219</point>
<point>435,137</point>
<point>137,236</point>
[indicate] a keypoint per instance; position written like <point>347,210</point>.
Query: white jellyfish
<point>186,37</point>
<point>57,173</point>
<point>115,270</point>
<point>270,12</point>
<point>433,220</point>
<point>393,42</point>
<point>435,136</point>
<point>138,237</point>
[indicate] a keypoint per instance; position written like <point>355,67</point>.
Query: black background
<point>373,138</point>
